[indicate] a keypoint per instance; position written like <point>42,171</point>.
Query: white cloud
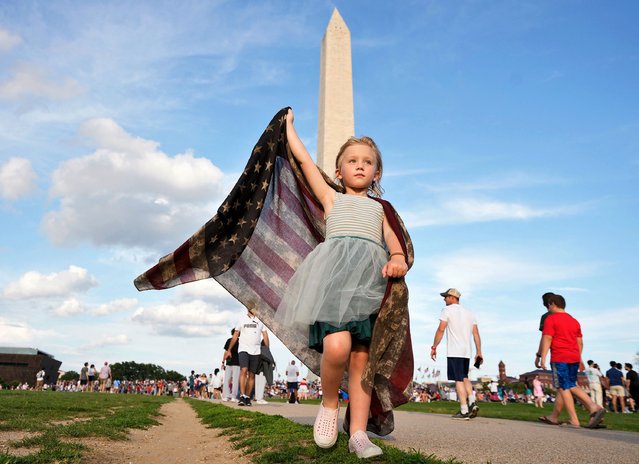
<point>8,40</point>
<point>30,81</point>
<point>207,289</point>
<point>130,193</point>
<point>471,270</point>
<point>495,182</point>
<point>123,304</point>
<point>469,210</point>
<point>12,333</point>
<point>35,285</point>
<point>69,307</point>
<point>17,178</point>
<point>109,341</point>
<point>192,319</point>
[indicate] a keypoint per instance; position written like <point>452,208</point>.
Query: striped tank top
<point>355,216</point>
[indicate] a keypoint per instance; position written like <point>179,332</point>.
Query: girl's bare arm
<point>396,265</point>
<point>320,188</point>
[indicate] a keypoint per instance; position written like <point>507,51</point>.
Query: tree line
<point>130,370</point>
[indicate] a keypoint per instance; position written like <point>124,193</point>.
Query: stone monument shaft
<point>335,120</point>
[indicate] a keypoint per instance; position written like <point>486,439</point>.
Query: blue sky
<point>509,131</point>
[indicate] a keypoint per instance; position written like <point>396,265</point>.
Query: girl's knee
<point>335,356</point>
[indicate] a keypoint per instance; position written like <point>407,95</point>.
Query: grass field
<point>524,412</point>
<point>49,419</point>
<point>52,420</point>
<point>274,439</point>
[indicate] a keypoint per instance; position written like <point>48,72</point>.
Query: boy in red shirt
<point>562,335</point>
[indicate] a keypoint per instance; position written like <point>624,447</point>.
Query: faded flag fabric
<point>261,233</point>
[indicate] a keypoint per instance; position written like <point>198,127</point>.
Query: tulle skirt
<point>340,281</point>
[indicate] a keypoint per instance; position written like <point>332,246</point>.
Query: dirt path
<point>179,438</point>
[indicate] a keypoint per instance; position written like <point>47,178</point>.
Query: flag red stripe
<point>155,278</point>
<point>182,261</point>
<point>243,270</point>
<point>280,267</point>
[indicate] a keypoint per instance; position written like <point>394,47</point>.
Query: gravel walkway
<point>483,440</point>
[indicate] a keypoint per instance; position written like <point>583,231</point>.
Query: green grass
<point>524,412</point>
<point>52,418</point>
<point>274,439</point>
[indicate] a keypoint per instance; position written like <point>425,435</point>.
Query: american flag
<point>261,233</point>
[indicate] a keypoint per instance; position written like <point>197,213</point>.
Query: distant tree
<point>70,375</point>
<point>130,370</point>
<point>518,387</point>
<point>174,376</point>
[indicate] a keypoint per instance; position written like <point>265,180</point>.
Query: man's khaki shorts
<point>617,390</point>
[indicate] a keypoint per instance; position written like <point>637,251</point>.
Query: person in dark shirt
<point>231,366</point>
<point>632,384</point>
<point>616,382</point>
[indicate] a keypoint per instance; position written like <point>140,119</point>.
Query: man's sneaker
<point>261,402</point>
<point>473,410</point>
<point>461,416</point>
<point>247,401</point>
<point>242,401</point>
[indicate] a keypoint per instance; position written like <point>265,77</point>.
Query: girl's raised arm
<point>320,188</point>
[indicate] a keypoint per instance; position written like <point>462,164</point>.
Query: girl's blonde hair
<point>375,188</point>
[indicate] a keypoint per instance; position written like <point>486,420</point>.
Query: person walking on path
<point>40,375</point>
<point>231,366</point>
<point>292,374</point>
<point>538,392</point>
<point>632,384</point>
<point>338,289</point>
<point>105,377</point>
<point>91,377</point>
<point>250,331</point>
<point>558,406</point>
<point>460,325</point>
<point>562,337</point>
<point>84,376</point>
<point>594,380</point>
<point>264,375</point>
<point>616,382</point>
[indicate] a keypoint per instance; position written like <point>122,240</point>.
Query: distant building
<point>503,377</point>
<point>545,377</point>
<point>22,364</point>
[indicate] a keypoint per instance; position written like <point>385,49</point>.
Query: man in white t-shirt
<point>292,373</point>
<point>459,324</point>
<point>249,330</point>
<point>105,377</point>
<point>594,381</point>
<point>40,379</point>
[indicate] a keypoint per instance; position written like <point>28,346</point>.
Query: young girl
<point>339,287</point>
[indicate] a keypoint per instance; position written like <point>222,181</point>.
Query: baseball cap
<point>452,292</point>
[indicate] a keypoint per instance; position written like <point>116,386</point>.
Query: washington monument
<point>335,120</point>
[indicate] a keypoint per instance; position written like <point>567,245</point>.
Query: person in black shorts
<point>249,330</point>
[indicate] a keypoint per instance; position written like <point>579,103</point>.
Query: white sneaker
<point>261,402</point>
<point>360,444</point>
<point>325,427</point>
